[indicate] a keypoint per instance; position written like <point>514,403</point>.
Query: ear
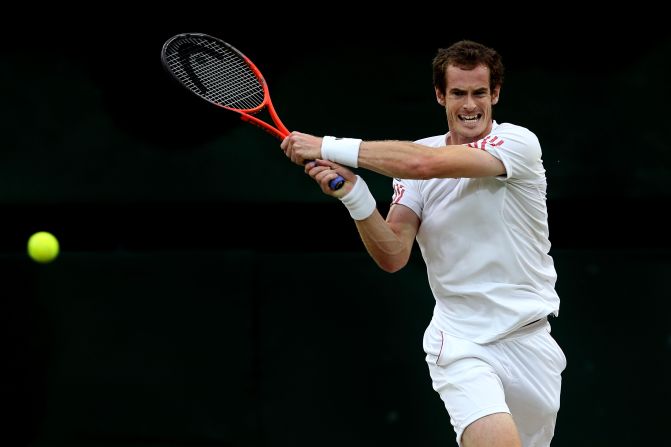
<point>440,97</point>
<point>495,95</point>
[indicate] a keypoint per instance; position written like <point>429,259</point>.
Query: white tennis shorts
<point>519,374</point>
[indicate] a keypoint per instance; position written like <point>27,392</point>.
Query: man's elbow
<point>391,265</point>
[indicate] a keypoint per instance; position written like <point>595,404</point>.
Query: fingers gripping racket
<point>222,75</point>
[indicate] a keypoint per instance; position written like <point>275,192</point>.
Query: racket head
<point>222,75</point>
<point>216,71</point>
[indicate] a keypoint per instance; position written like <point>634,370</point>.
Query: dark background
<point>208,294</point>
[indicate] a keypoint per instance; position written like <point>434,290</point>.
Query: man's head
<point>467,78</point>
<point>467,55</point>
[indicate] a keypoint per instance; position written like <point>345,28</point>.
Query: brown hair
<point>468,55</point>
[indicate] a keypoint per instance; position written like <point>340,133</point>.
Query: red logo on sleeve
<point>491,140</point>
<point>398,193</point>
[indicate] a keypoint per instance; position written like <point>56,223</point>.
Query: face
<point>468,103</point>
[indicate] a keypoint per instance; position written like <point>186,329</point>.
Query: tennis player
<point>474,199</point>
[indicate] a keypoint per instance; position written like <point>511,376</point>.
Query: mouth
<point>470,119</point>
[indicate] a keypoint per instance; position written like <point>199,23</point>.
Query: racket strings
<point>216,73</point>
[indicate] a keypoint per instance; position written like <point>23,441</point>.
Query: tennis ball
<point>43,247</point>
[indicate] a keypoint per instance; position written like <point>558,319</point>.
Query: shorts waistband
<point>535,321</point>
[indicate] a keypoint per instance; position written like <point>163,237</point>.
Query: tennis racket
<point>220,74</point>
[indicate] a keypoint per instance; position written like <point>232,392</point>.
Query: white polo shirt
<point>485,240</point>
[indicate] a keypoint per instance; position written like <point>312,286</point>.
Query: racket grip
<point>337,183</point>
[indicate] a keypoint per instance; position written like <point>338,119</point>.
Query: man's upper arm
<point>462,161</point>
<point>404,223</point>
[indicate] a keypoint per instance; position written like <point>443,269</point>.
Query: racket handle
<point>337,183</point>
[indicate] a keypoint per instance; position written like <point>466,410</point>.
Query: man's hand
<point>323,171</point>
<point>301,147</point>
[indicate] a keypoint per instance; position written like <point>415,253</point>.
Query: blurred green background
<point>208,294</point>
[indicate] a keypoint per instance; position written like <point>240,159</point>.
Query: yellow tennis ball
<point>43,247</point>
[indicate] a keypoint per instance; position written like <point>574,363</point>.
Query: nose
<point>469,103</point>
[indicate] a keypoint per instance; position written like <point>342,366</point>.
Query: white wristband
<point>359,201</point>
<point>344,151</point>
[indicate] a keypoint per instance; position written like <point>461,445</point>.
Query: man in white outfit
<point>475,201</point>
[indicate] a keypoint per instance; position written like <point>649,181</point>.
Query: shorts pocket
<point>433,344</point>
<point>442,349</point>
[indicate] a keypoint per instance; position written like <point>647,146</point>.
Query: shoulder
<point>518,149</point>
<point>516,132</point>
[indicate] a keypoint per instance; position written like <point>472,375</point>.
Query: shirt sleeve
<point>518,149</point>
<point>406,194</point>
